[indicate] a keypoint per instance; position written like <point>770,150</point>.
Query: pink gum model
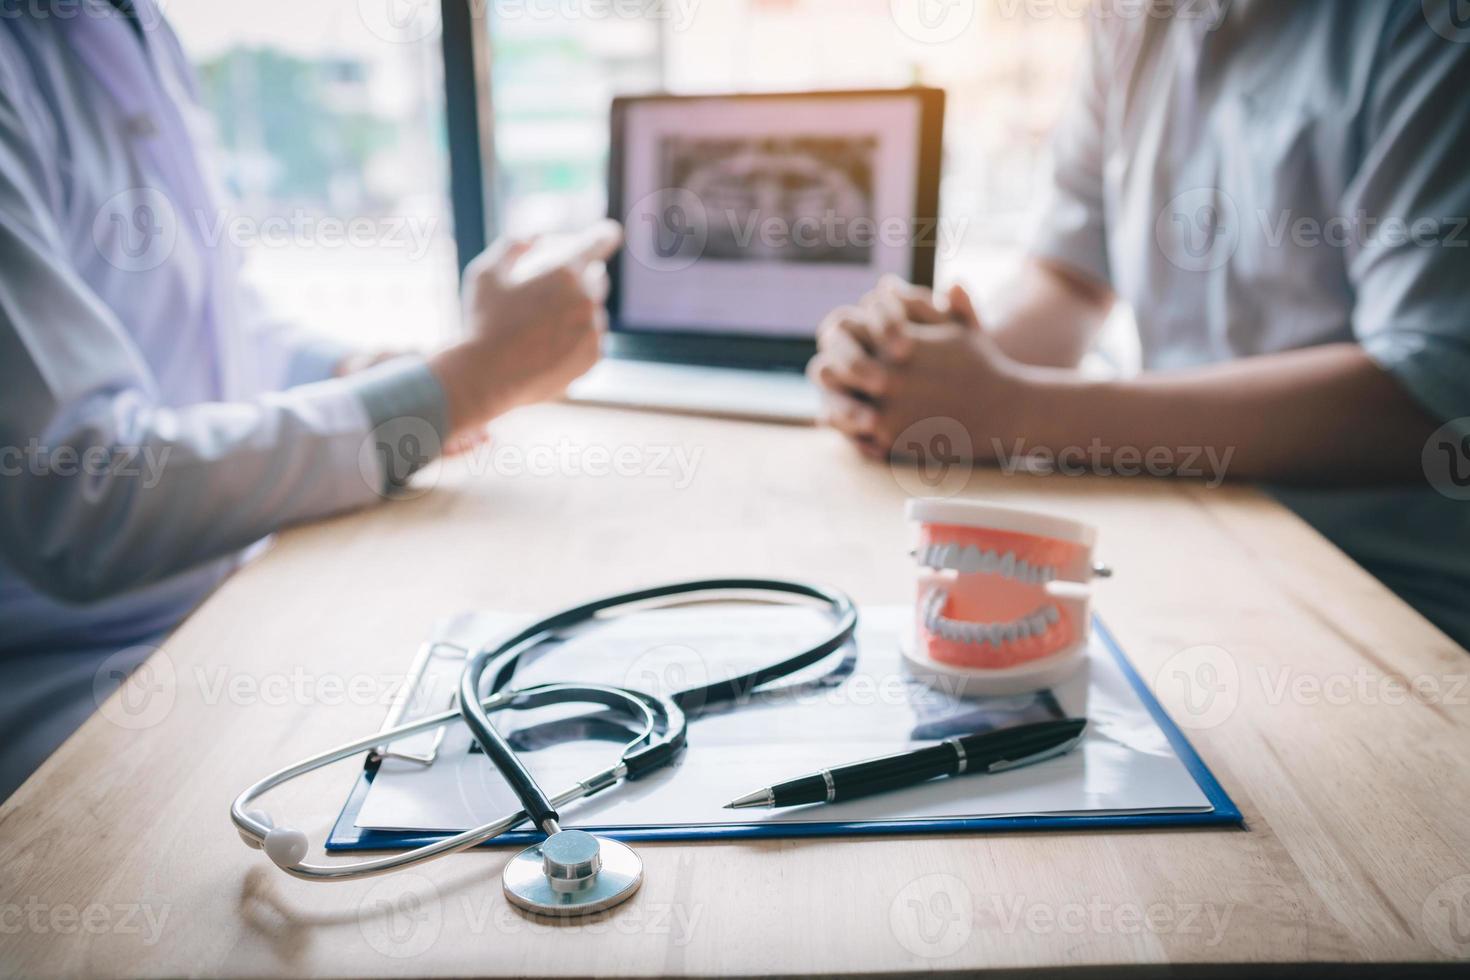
<point>987,598</point>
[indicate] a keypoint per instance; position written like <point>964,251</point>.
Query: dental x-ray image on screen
<point>775,198</point>
<point>753,216</point>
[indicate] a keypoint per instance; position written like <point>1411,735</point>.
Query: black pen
<point>998,751</point>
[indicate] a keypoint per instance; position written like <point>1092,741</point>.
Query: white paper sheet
<point>870,707</point>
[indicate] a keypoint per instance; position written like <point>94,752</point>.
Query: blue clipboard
<point>346,836</point>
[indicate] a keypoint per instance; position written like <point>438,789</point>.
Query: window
<point>330,127</point>
<point>334,111</point>
<point>554,75</point>
<point>1007,69</point>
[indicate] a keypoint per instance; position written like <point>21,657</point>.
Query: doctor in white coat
<point>154,423</point>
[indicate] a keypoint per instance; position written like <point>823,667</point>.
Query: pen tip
<point>761,797</point>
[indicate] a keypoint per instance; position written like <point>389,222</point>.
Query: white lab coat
<point>126,334</point>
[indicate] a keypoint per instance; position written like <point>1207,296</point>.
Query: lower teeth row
<point>993,634</point>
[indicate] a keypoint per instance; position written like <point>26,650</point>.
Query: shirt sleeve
<point>104,486</point>
<point>1072,228</point>
<point>1410,204</point>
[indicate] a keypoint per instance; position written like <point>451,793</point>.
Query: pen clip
<point>1005,765</point>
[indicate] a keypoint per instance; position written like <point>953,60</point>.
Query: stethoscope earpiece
<point>286,846</point>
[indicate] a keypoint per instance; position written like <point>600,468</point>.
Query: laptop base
<point>785,397</point>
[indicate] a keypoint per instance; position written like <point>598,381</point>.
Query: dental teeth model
<point>1002,607</point>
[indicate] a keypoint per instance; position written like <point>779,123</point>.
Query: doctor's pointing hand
<point>532,332</point>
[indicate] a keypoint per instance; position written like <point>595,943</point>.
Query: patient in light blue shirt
<point>1281,193</point>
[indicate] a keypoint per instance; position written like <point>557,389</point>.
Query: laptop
<point>748,218</point>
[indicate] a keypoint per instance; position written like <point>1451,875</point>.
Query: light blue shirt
<point>1284,175</point>
<point>154,419</point>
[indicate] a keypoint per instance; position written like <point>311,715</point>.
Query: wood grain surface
<point>1335,716</point>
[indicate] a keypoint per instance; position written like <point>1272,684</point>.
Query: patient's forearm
<point>1048,316</point>
<point>1327,415</point>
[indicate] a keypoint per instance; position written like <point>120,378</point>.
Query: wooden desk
<point>118,856</point>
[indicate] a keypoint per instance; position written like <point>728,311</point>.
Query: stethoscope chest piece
<point>572,873</point>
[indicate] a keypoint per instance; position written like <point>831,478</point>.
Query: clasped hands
<point>904,356</point>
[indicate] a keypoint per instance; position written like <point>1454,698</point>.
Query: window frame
<point>469,124</point>
<point>469,106</point>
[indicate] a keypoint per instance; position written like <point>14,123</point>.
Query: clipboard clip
<point>407,696</point>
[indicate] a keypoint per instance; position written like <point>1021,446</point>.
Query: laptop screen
<point>755,216</point>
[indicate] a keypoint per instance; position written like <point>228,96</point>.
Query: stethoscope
<point>571,872</point>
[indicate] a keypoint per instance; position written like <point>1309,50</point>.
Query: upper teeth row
<point>969,560</point>
<point>994,634</point>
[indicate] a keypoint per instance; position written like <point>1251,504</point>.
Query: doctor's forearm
<point>179,487</point>
<point>1323,416</point>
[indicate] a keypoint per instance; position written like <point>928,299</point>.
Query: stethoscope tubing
<point>528,791</point>
<point>645,753</point>
<point>507,655</point>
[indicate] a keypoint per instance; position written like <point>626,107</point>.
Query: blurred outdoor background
<point>335,110</point>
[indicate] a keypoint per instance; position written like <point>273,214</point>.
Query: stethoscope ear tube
<point>654,755</point>
<point>507,654</point>
<point>506,657</point>
<point>737,689</point>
